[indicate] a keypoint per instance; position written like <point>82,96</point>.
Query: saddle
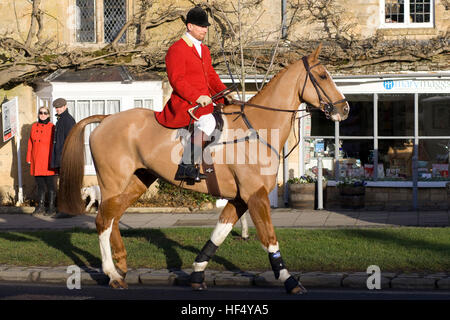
<point>208,168</point>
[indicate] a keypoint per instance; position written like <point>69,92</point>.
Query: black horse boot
<point>40,209</point>
<point>51,206</point>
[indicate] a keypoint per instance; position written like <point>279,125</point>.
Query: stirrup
<point>189,172</point>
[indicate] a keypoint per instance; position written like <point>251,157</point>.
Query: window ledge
<point>407,30</point>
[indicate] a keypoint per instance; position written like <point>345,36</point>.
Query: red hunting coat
<point>190,77</point>
<point>40,145</point>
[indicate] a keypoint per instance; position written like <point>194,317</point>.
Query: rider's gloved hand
<point>204,101</point>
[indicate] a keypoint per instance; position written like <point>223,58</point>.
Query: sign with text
<point>9,119</point>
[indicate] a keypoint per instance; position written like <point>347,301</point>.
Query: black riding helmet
<point>198,17</point>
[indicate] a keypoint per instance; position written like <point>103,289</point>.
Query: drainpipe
<point>283,19</point>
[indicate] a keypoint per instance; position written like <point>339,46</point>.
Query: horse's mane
<point>270,83</point>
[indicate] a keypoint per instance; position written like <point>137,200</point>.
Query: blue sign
<point>388,84</point>
<point>319,147</point>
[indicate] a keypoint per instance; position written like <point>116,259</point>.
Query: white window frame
<point>89,169</point>
<point>407,23</point>
<point>142,99</point>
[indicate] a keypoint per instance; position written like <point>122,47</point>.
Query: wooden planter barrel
<point>304,195</point>
<point>352,197</point>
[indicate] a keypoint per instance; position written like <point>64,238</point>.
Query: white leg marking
<point>284,274</point>
<point>220,233</point>
<point>105,248</point>
<point>244,226</point>
<point>200,266</point>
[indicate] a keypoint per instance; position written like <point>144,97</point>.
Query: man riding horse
<point>194,81</point>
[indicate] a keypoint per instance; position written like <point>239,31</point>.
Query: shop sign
<point>416,85</point>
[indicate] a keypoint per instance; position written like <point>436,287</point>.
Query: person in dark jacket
<point>40,145</point>
<point>63,125</point>
<point>62,129</point>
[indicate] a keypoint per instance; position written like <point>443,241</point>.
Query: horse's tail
<point>72,168</point>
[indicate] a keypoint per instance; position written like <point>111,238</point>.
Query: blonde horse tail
<point>72,168</point>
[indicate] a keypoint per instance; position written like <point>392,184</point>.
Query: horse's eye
<point>323,76</point>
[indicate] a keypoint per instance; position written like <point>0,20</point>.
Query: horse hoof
<point>298,290</point>
<point>293,286</point>
<point>118,284</point>
<point>199,286</point>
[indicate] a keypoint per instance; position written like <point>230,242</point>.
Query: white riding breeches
<point>206,123</point>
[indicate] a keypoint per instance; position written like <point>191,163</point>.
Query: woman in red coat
<point>40,145</point>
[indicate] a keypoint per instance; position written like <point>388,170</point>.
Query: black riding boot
<point>188,170</point>
<point>51,206</point>
<point>41,206</point>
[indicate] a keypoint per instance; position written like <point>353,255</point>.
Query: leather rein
<point>327,107</point>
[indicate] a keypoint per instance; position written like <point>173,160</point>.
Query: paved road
<point>29,291</point>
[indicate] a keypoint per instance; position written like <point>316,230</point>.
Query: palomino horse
<point>131,150</point>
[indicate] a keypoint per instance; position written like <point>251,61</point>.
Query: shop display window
<point>396,114</point>
<point>433,161</point>
<point>396,157</point>
<point>360,118</point>
<point>434,114</point>
<point>387,138</point>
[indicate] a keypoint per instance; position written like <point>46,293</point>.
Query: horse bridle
<point>329,107</point>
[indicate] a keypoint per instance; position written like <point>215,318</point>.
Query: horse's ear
<point>316,53</point>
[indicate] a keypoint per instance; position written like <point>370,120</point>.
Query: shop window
<point>310,157</point>
<point>89,24</point>
<point>320,125</point>
<point>434,115</point>
<point>396,115</point>
<point>360,119</point>
<point>433,159</point>
<point>395,156</point>
<point>406,13</point>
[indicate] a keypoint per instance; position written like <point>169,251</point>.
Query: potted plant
<point>303,191</point>
<point>352,193</point>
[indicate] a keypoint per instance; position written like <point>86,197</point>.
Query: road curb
<point>29,210</point>
<point>144,276</point>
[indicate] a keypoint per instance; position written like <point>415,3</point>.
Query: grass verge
<point>392,249</point>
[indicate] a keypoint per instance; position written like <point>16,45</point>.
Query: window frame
<point>407,23</point>
<point>95,24</point>
<point>99,23</point>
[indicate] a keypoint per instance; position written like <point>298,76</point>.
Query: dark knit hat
<point>198,17</point>
<point>60,102</point>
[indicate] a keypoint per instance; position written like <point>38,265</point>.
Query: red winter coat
<point>190,77</point>
<point>40,145</point>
